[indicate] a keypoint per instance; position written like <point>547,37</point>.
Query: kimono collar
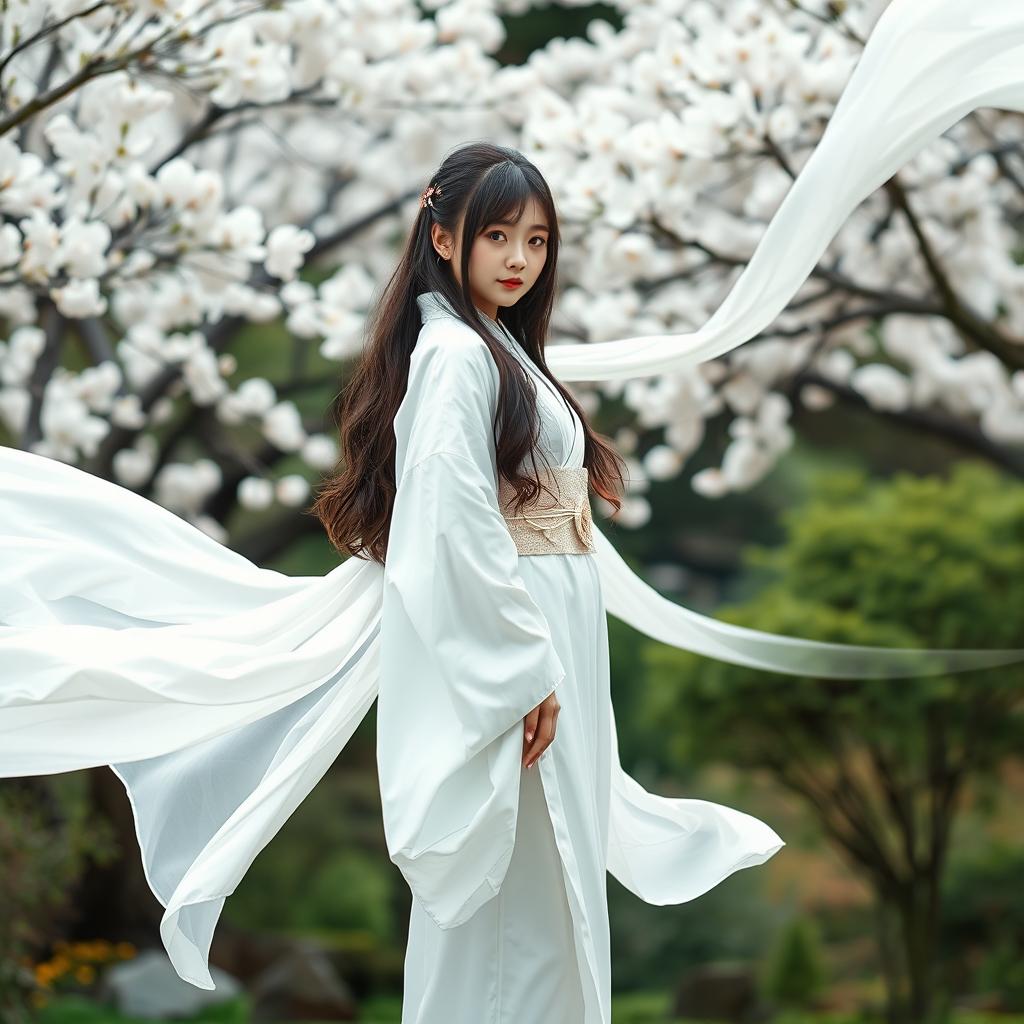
<point>434,306</point>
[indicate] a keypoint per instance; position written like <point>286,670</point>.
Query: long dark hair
<point>489,183</point>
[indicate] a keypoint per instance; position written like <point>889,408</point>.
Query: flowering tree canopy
<point>168,168</point>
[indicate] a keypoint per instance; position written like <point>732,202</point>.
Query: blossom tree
<point>167,169</point>
<point>675,141</point>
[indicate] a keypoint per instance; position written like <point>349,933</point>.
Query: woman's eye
<point>536,238</point>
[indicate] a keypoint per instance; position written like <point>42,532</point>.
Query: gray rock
<point>148,986</point>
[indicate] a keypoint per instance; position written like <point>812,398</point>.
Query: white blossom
<point>292,490</point>
<point>202,375</point>
<point>662,462</point>
<point>126,411</point>
<point>882,386</point>
<point>320,451</point>
<point>282,426</point>
<point>185,487</point>
<point>710,482</point>
<point>40,248</point>
<point>257,396</point>
<point>255,492</point>
<point>634,513</point>
<point>286,246</point>
<point>79,298</point>
<point>134,466</point>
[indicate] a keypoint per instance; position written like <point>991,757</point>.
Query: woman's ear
<point>442,241</point>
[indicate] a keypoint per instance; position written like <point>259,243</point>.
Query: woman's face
<point>500,252</point>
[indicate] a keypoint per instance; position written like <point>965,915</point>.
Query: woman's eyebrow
<point>512,224</point>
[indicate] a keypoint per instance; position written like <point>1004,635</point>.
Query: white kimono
<point>509,917</point>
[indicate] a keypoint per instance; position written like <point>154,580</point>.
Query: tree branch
<point>897,798</point>
<point>961,434</point>
<point>46,30</point>
<point>1010,351</point>
<point>52,322</point>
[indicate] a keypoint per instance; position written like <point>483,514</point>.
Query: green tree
<point>881,763</point>
<point>795,972</point>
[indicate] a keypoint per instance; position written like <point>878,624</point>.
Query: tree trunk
<point>114,899</point>
<point>891,960</point>
<point>919,945</point>
<point>923,998</point>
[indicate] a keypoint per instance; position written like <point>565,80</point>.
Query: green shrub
<point>795,971</point>
<point>47,838</point>
<point>78,1010</point>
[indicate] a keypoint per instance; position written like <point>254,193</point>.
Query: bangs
<point>503,195</point>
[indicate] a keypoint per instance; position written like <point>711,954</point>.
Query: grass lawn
<point>630,1008</point>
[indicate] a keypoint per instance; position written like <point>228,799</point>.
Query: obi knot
<point>564,527</point>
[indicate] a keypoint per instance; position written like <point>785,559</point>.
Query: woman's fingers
<point>530,726</point>
<point>544,733</point>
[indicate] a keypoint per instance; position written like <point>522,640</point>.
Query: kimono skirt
<point>473,636</point>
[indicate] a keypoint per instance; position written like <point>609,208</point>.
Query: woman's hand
<point>539,729</point>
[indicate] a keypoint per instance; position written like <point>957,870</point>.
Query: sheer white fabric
<point>220,692</point>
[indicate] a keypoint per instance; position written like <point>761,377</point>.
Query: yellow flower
<point>85,974</point>
<point>126,949</point>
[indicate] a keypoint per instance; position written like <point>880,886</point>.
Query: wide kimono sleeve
<point>466,653</point>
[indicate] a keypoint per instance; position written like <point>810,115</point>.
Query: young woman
<point>493,712</point>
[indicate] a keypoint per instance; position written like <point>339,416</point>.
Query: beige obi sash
<point>547,527</point>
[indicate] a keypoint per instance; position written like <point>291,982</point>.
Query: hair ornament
<point>425,199</point>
